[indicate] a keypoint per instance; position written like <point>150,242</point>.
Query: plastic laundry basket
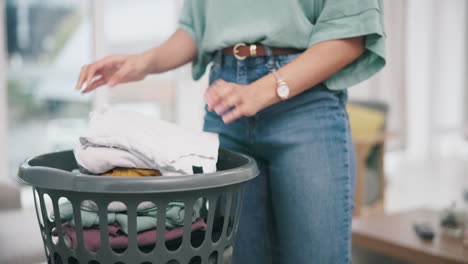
<point>222,193</point>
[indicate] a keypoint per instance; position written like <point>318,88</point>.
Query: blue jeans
<point>299,209</point>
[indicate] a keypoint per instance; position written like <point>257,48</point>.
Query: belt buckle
<point>236,51</point>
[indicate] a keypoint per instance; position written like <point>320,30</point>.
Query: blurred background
<point>409,122</point>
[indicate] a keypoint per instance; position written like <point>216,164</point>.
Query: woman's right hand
<point>112,70</point>
<point>178,50</point>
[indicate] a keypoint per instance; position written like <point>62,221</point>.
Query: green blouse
<point>216,24</point>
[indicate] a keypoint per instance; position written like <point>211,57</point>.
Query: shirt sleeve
<point>186,19</point>
<point>192,20</point>
<point>352,18</point>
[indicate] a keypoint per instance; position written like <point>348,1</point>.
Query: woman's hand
<point>113,70</point>
<point>176,51</point>
<point>232,101</point>
<point>307,70</point>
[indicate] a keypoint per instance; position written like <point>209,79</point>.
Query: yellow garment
<point>364,122</point>
<point>124,172</point>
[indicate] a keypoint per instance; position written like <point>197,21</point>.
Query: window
<point>133,28</point>
<point>47,43</point>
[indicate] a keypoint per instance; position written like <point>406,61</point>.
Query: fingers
<point>217,92</point>
<point>94,85</point>
<point>211,96</point>
<point>81,78</point>
<point>89,72</point>
<point>233,115</point>
<point>92,71</point>
<point>229,101</point>
<point>118,76</point>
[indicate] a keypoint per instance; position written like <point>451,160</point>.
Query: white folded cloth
<point>116,138</point>
<point>104,159</point>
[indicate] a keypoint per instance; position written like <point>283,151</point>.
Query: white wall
<point>188,103</point>
<point>389,85</point>
<point>3,101</point>
<point>98,16</point>
<point>424,79</point>
<point>449,87</point>
<point>436,64</point>
<point>420,66</point>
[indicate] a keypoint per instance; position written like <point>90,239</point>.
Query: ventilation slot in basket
<point>198,234</point>
<point>213,258</point>
<point>227,254</point>
<point>218,222</point>
<point>174,217</point>
<point>72,260</point>
<point>117,230</point>
<point>146,239</point>
<point>90,220</point>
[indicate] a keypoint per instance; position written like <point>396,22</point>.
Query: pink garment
<point>118,240</point>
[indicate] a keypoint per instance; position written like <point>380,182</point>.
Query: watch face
<point>283,91</point>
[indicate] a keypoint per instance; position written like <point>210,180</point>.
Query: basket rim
<point>41,176</point>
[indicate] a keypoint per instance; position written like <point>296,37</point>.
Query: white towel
<point>116,138</point>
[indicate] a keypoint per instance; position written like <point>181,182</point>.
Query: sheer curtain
<point>3,102</point>
<point>44,46</point>
<point>448,83</point>
<point>186,96</point>
<point>389,85</point>
<point>424,80</point>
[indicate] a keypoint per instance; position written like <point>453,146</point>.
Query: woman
<point>277,92</point>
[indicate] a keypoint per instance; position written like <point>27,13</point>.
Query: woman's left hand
<point>232,101</point>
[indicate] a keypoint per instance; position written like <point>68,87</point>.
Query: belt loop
<point>218,59</point>
<point>269,55</point>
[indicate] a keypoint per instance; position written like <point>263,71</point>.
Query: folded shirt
<point>98,160</point>
<point>104,159</point>
<point>118,239</point>
<point>146,219</point>
<point>126,139</point>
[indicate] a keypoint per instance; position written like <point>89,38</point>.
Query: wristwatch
<point>282,88</point>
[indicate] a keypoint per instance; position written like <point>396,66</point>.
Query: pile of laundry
<point>127,144</point>
<point>124,139</point>
<point>117,220</point>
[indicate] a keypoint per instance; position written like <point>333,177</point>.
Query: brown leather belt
<point>242,51</point>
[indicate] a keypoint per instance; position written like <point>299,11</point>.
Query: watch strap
<point>280,82</point>
<point>277,76</point>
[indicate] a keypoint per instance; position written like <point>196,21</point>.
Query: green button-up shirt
<point>217,24</point>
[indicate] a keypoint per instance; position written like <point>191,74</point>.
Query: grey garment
<point>115,206</point>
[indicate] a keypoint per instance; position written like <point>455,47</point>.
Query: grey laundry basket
<point>222,192</point>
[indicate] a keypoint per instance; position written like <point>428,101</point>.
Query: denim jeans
<point>299,209</point>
